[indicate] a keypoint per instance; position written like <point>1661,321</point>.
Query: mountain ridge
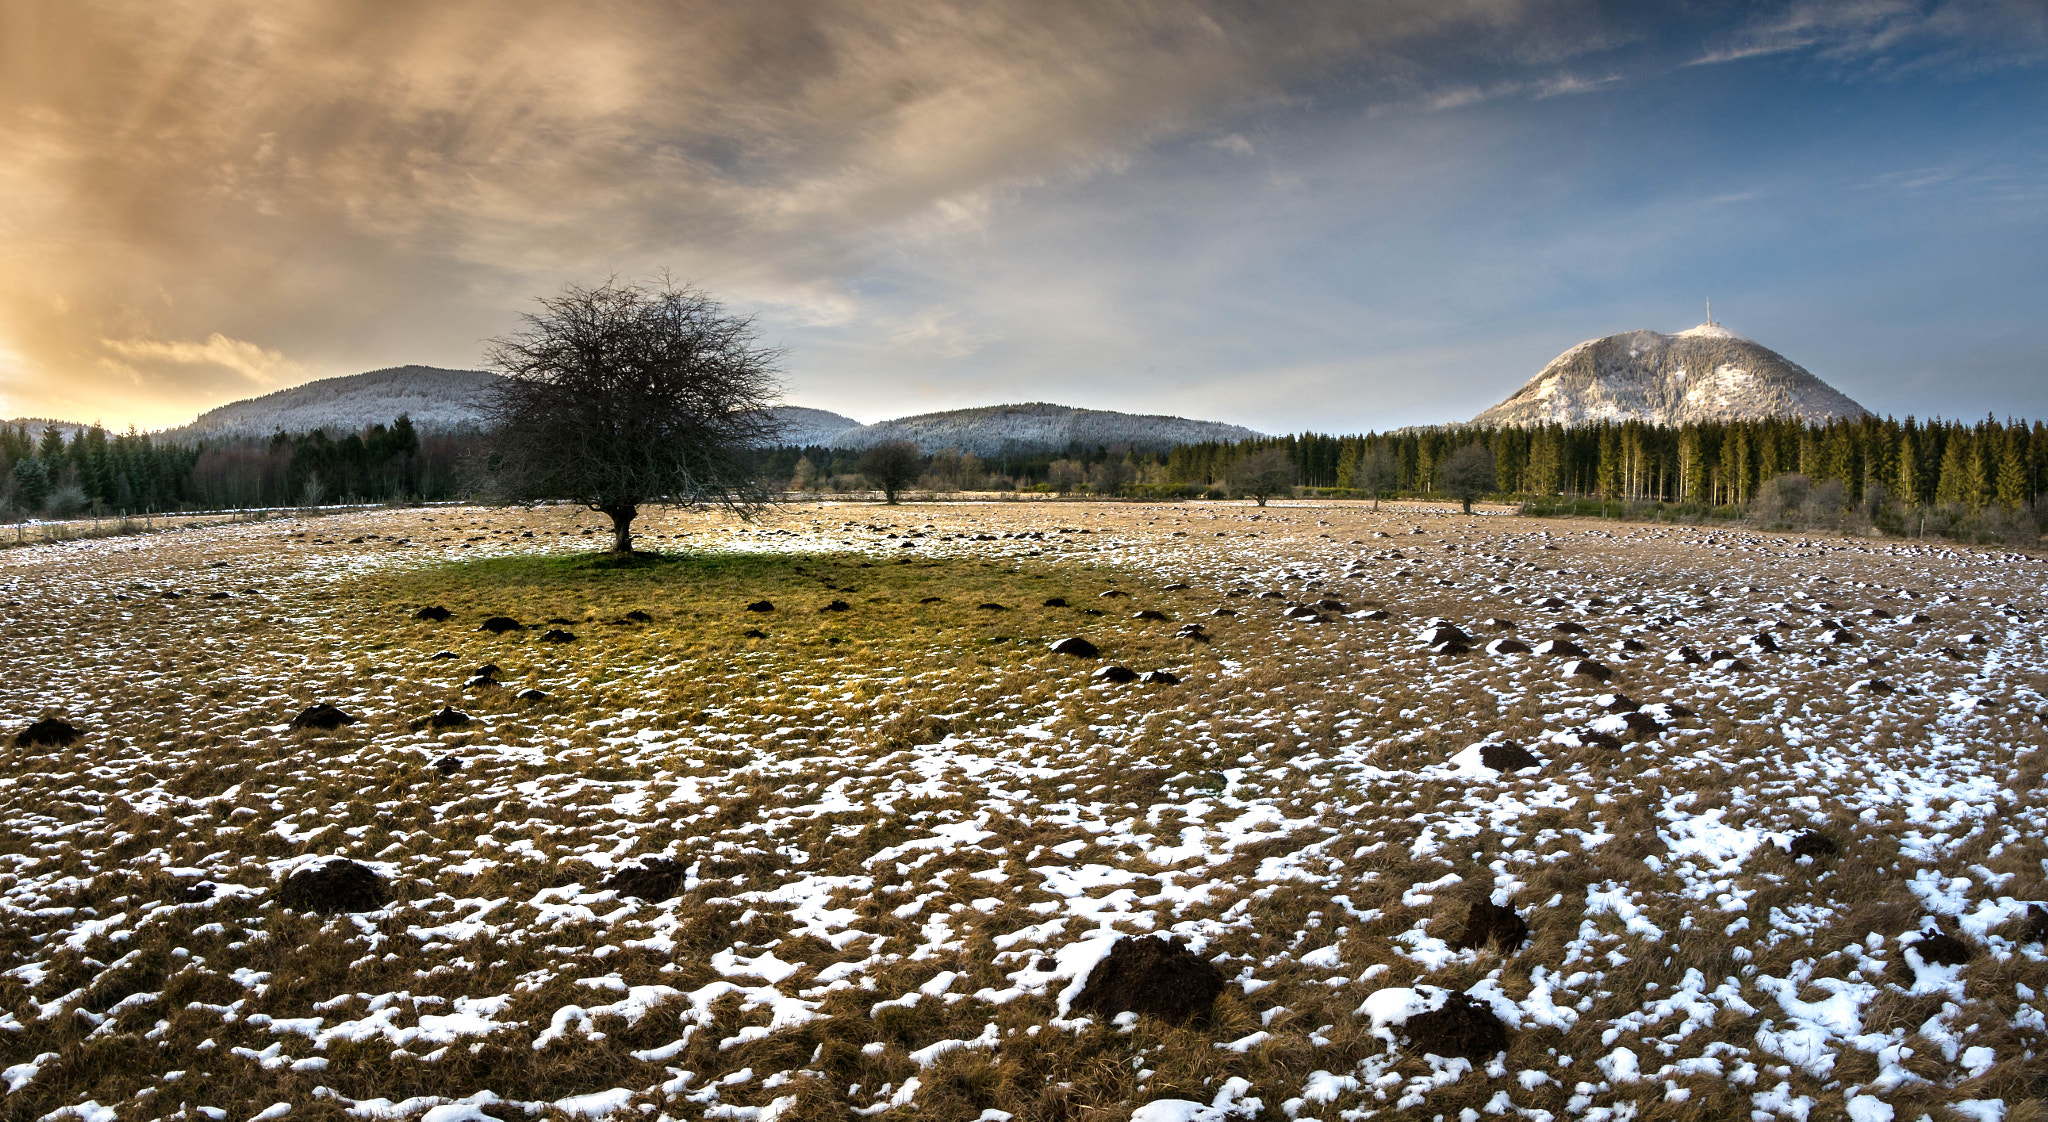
<point>1038,426</point>
<point>441,400</point>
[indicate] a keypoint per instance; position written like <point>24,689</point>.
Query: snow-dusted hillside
<point>36,425</point>
<point>1038,427</point>
<point>803,426</point>
<point>437,400</point>
<point>1708,373</point>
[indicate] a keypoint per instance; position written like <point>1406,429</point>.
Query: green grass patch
<point>820,600</point>
<point>857,629</point>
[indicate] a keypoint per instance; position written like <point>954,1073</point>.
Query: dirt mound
<point>531,695</point>
<point>1463,1027</point>
<point>761,606</point>
<point>322,716</point>
<point>1076,646</point>
<point>654,879</point>
<point>498,625</point>
<point>1507,756</point>
<point>196,893</point>
<point>1641,725</point>
<point>1159,678</point>
<point>447,765</point>
<point>1148,613</point>
<point>1055,602</point>
<point>433,612</point>
<point>1587,668</point>
<point>1942,949</point>
<point>1507,647</point>
<point>2034,928</point>
<point>1813,843</point>
<point>448,718</point>
<point>1490,924</point>
<point>337,886</point>
<point>1115,674</point>
<point>557,635</point>
<point>990,607</point>
<point>638,616</point>
<point>837,606</point>
<point>1151,977</point>
<point>50,732</point>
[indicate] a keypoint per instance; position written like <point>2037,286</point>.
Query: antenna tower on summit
<point>1710,311</point>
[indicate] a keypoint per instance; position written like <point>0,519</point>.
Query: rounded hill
<point>1708,373</point>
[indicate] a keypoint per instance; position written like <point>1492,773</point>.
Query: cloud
<point>320,188</point>
<point>1891,33</point>
<point>261,366</point>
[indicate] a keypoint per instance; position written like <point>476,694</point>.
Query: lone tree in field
<point>1379,474</point>
<point>891,466</point>
<point>1467,474</point>
<point>1263,475</point>
<point>618,397</point>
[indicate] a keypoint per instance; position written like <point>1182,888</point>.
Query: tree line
<point>1918,463</point>
<point>44,474</point>
<point>1720,464</point>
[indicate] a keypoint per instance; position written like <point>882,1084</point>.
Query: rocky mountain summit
<point>1708,373</point>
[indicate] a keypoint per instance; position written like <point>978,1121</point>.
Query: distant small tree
<point>1110,477</point>
<point>890,467</point>
<point>1467,474</point>
<point>1262,475</point>
<point>1066,475</point>
<point>806,475</point>
<point>619,396</point>
<point>1378,473</point>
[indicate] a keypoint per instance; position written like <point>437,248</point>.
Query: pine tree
<point>1907,477</point>
<point>2012,473</point>
<point>1954,486</point>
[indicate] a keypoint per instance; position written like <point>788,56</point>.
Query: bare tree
<point>1263,475</point>
<point>1467,474</point>
<point>619,396</point>
<point>891,466</point>
<point>1379,474</point>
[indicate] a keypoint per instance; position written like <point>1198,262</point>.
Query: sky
<point>1334,217</point>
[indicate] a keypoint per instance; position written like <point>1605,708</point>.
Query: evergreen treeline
<point>1718,464</point>
<point>133,473</point>
<point>1871,464</point>
<point>1715,464</point>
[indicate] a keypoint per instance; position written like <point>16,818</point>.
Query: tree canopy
<point>620,396</point>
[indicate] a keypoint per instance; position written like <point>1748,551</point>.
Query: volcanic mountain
<point>1706,374</point>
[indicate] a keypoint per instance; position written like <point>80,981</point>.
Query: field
<point>864,850</point>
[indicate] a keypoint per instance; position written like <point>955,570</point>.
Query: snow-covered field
<point>904,834</point>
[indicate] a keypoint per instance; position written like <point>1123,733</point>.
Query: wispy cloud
<point>205,199</point>
<point>261,366</point>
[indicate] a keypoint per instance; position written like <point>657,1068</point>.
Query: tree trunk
<point>622,527</point>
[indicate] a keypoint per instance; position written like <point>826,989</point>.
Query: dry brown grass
<point>1337,728</point>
